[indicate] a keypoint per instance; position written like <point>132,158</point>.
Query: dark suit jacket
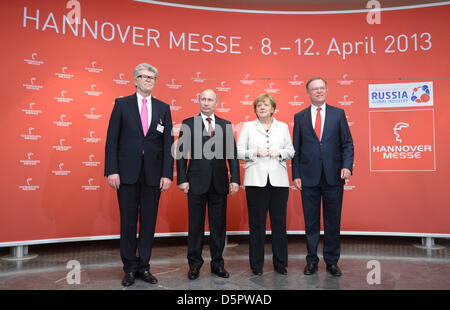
<point>200,168</point>
<point>334,152</point>
<point>125,142</point>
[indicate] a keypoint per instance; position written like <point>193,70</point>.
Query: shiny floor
<point>367,263</point>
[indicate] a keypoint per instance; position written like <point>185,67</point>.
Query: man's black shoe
<point>221,272</point>
<point>128,279</point>
<point>193,274</point>
<point>334,270</point>
<point>310,269</point>
<point>147,277</point>
<point>281,270</point>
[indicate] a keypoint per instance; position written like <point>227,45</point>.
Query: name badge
<point>160,128</point>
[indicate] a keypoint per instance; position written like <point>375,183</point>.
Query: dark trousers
<point>332,207</point>
<point>217,216</point>
<point>137,201</point>
<point>261,200</point>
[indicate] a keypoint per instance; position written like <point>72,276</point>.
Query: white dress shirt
<point>206,123</point>
<point>148,104</point>
<point>322,115</point>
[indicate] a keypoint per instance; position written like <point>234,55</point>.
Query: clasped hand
<point>266,152</point>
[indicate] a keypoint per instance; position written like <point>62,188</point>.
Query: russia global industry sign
<point>402,140</point>
<point>399,95</point>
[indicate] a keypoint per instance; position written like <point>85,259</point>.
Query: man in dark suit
<point>323,160</point>
<point>205,144</point>
<point>139,165</point>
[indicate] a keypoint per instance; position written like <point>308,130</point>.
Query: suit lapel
<point>259,127</point>
<point>204,132</point>
<point>155,115</point>
<point>328,115</point>
<point>134,110</point>
<point>221,123</point>
<point>274,125</point>
<point>308,120</point>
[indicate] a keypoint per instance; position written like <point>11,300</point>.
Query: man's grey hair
<point>144,66</point>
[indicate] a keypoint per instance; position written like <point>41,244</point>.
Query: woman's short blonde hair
<point>262,98</point>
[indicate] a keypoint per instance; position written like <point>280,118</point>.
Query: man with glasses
<point>323,160</point>
<point>139,166</point>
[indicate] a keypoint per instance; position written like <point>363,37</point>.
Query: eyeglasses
<point>147,77</point>
<point>317,89</point>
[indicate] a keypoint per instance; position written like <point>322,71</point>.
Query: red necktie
<point>318,125</point>
<point>210,127</point>
<point>144,116</point>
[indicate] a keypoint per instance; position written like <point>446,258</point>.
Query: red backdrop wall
<point>60,80</point>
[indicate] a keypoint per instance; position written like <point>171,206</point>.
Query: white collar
<point>140,97</point>
<point>204,117</point>
<point>322,107</point>
<point>258,122</point>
